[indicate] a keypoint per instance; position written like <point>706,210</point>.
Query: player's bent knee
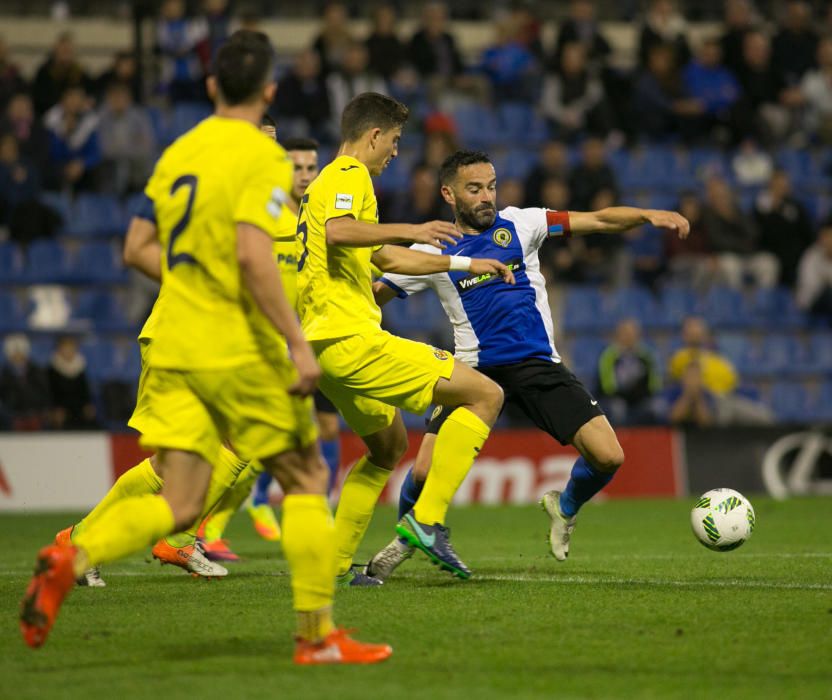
<point>609,458</point>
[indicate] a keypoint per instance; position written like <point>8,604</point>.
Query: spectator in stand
<point>72,406</point>
<point>75,149</point>
<point>795,45</point>
<point>60,71</point>
<point>629,376</point>
<point>582,27</point>
<point>179,40</point>
<point>784,225</point>
<point>32,138</point>
<point>739,20</point>
<point>510,67</point>
<point>816,88</point>
<point>21,212</point>
<point>529,30</point>
<point>335,38</point>
<point>661,105</point>
<point>751,165</point>
<point>387,51</point>
<point>303,107</point>
<point>712,85</point>
<point>23,386</point>
<point>553,163</point>
<point>511,193</point>
<point>689,403</point>
<point>554,194</point>
<point>125,70</point>
<point>433,50</point>
<point>814,276</point>
<point>353,78</point>
<point>573,98</point>
<point>438,146</point>
<point>718,373</point>
<point>422,201</point>
<point>127,141</point>
<point>689,261</point>
<point>767,101</point>
<point>218,20</point>
<point>733,237</point>
<point>11,81</point>
<point>592,181</point>
<point>664,25</point>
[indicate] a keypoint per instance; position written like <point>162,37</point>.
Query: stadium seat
<point>791,402</point>
<point>184,117</point>
<point>723,307</point>
<point>819,353</point>
<point>775,355</point>
<point>583,309</point>
<point>12,316</point>
<point>419,315</point>
<point>95,215</point>
<point>774,308</point>
<point>648,168</point>
<point>735,347</point>
<point>100,357</point>
<point>477,127</point>
<point>11,264</point>
<point>60,203</point>
<point>46,263</point>
<point>519,124</point>
<point>98,262</point>
<point>101,310</point>
<point>638,303</point>
<point>583,354</point>
<point>676,304</point>
<point>43,345</point>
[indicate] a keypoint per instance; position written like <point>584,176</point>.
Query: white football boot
<point>561,528</point>
<point>92,578</point>
<point>388,559</point>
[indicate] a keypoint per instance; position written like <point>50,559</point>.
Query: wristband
<point>459,263</point>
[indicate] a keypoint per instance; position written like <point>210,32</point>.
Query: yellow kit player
<point>218,368</point>
<point>368,373</point>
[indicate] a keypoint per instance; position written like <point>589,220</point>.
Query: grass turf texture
<point>640,610</point>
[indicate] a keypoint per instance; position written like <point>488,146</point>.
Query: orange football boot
<point>64,537</point>
<point>339,648</point>
<point>54,578</point>
<point>190,558</point>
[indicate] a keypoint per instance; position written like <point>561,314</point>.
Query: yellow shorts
<point>142,404</point>
<point>368,376</point>
<point>247,407</point>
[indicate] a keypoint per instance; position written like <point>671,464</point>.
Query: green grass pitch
<point>640,610</point>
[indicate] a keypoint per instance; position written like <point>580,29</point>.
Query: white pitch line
<point>670,583</point>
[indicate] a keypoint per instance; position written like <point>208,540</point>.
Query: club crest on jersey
<point>441,354</point>
<point>502,237</point>
<point>343,201</point>
<point>276,202</point>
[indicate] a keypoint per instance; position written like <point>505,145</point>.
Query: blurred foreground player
<point>506,333</point>
<point>216,202</point>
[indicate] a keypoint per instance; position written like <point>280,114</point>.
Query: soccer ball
<point>722,519</point>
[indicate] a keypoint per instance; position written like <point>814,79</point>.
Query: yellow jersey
<point>335,294</point>
<point>718,374</point>
<point>221,173</point>
<point>284,249</point>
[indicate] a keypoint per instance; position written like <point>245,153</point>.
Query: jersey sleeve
<point>345,193</point>
<point>264,191</point>
<point>539,223</point>
<point>405,285</point>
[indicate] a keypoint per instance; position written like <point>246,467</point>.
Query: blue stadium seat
<point>648,168</point>
<point>477,127</point>
<point>823,403</point>
<point>775,308</point>
<point>520,125</point>
<point>583,355</point>
<point>184,117</point>
<point>46,263</point>
<point>95,215</point>
<point>100,357</point>
<point>734,346</point>
<point>791,402</point>
<point>12,315</point>
<point>583,309</point>
<point>43,345</point>
<point>676,304</point>
<point>416,317</point>
<point>775,355</point>
<point>797,163</point>
<point>638,303</point>
<point>819,354</point>
<point>60,203</point>
<point>723,307</point>
<point>517,163</point>
<point>99,262</point>
<point>11,264</point>
<point>102,310</point>
<point>396,176</point>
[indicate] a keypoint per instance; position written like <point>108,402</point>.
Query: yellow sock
<point>140,480</point>
<point>223,476</point>
<point>457,444</point>
<point>126,527</point>
<point>309,548</point>
<point>231,501</point>
<point>359,495</point>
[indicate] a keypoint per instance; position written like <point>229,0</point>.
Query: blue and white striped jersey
<point>496,323</point>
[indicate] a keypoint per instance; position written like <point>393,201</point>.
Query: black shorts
<point>323,404</point>
<point>547,392</point>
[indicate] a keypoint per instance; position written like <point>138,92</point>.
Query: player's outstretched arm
<point>347,231</point>
<point>403,261</point>
<point>262,278</point>
<point>616,219</point>
<point>142,249</point>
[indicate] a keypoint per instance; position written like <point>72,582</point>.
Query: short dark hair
<point>451,165</point>
<point>371,110</point>
<point>299,144</point>
<point>243,66</point>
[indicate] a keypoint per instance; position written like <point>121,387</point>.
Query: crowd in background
<point>761,83</point>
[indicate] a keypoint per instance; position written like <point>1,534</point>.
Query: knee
<point>391,452</point>
<point>491,399</point>
<point>608,458</point>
